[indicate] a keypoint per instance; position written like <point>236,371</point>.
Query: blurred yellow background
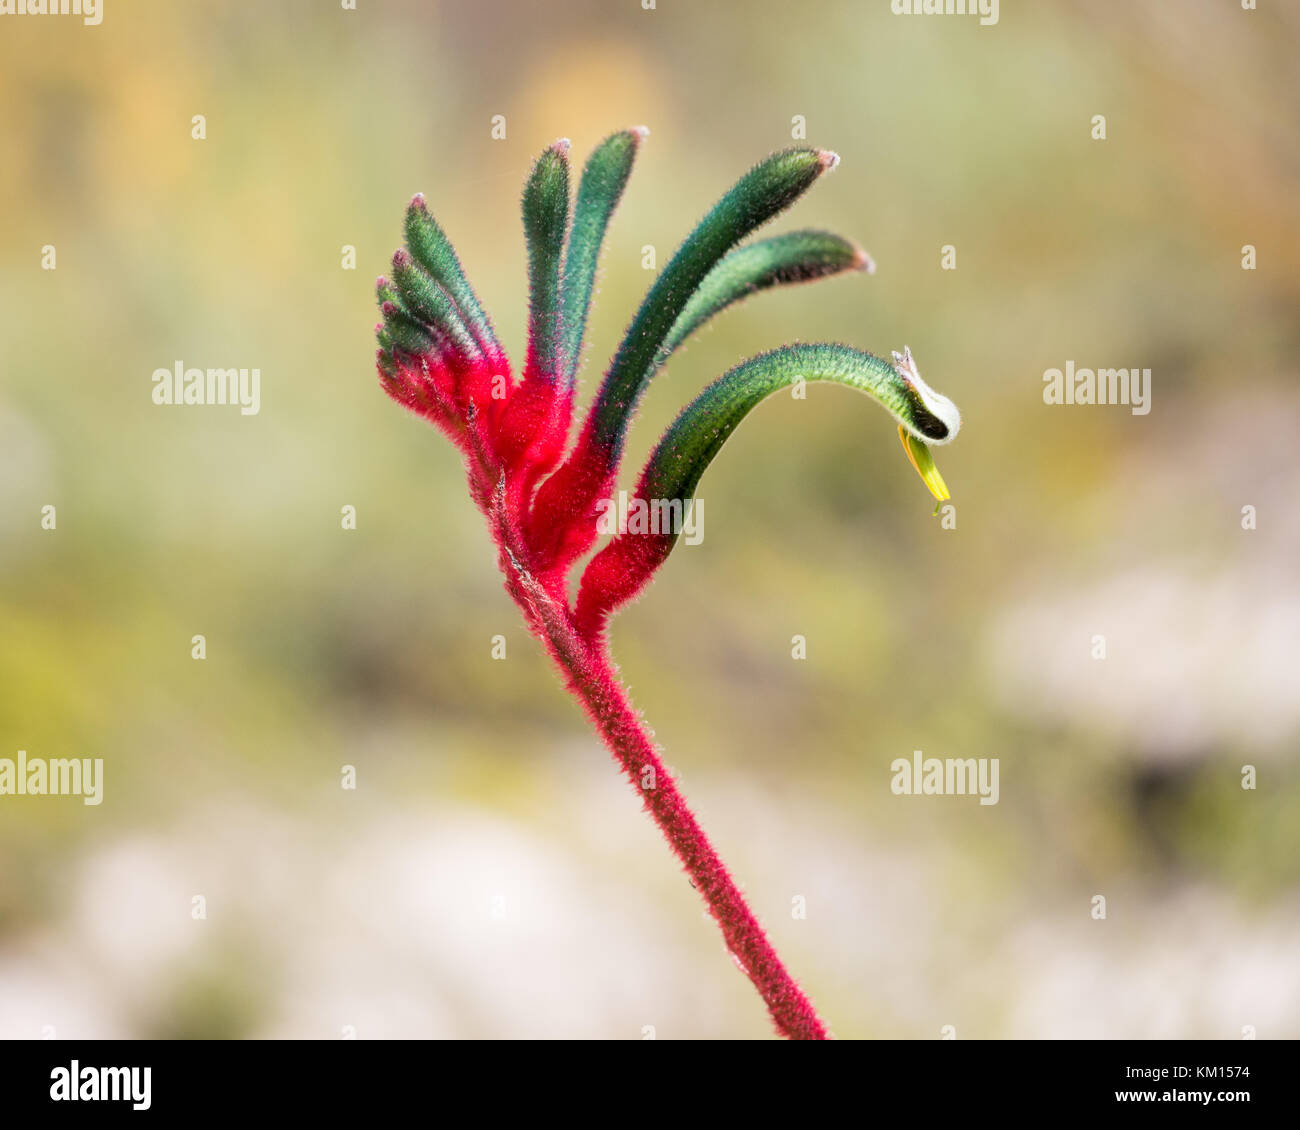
<point>492,875</point>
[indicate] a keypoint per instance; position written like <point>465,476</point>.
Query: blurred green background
<point>492,875</point>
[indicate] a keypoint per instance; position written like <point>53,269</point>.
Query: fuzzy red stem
<point>597,686</point>
<point>585,662</point>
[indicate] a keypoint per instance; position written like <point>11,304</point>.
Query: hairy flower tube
<point>542,492</point>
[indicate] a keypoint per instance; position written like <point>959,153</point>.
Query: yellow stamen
<point>918,454</point>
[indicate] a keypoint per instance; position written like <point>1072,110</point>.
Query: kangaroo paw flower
<point>439,357</point>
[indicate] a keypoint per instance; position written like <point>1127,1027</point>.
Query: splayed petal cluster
<point>440,357</point>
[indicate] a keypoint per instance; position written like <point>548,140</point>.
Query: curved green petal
<point>424,300</point>
<point>546,221</point>
<point>768,188</point>
<point>603,180</point>
<point>696,436</point>
<point>406,332</point>
<point>432,249</point>
<point>795,257</point>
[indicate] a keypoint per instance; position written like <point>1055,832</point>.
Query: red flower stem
<point>594,681</point>
<point>606,701</point>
